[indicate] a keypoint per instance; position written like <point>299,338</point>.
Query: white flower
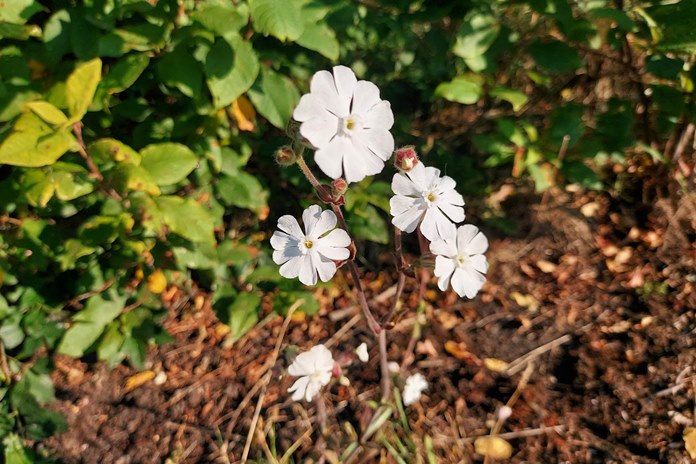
<point>313,368</point>
<point>313,251</point>
<point>460,260</point>
<point>422,196</point>
<point>415,385</point>
<point>362,353</point>
<point>347,123</point>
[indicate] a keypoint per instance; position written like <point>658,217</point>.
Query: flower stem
<point>371,322</point>
<point>384,366</point>
<point>307,172</point>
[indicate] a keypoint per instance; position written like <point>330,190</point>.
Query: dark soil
<point>608,292</point>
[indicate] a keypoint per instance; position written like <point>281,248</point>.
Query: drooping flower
<point>314,251</point>
<point>460,261</point>
<point>423,196</point>
<point>415,385</point>
<point>314,369</point>
<point>362,353</point>
<point>347,123</point>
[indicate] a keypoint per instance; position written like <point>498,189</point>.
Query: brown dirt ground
<point>613,288</point>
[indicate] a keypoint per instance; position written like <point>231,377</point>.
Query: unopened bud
<point>405,158</point>
<point>339,187</point>
<point>285,156</point>
<point>504,412</point>
<point>336,371</point>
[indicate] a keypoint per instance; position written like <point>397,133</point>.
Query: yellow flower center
<point>308,244</point>
<point>350,123</point>
<point>432,196</point>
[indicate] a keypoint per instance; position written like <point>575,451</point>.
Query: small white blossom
<point>393,367</point>
<point>460,261</point>
<point>504,412</point>
<point>314,251</point>
<point>415,385</point>
<point>314,369</point>
<point>422,196</point>
<point>347,123</point>
<point>362,353</point>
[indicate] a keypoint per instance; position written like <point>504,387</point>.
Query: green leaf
<point>275,97</point>
<point>279,18</point>
<point>515,97</point>
<point>104,150</point>
<point>462,89</point>
<point>124,73</point>
<point>181,70</point>
<point>89,324</point>
<point>47,112</point>
<point>317,35</point>
<point>168,163</point>
<point>555,56</point>
<point>367,224</point>
<point>18,11</point>
<point>242,313</point>
<point>579,173</point>
<point>243,191</point>
<point>80,88</point>
<point>33,143</point>
<point>14,450</point>
<point>231,68</point>
<point>475,37</point>
<point>185,217</point>
<point>221,17</point>
<point>676,26</point>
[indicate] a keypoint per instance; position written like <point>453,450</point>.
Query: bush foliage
<point>136,143</point>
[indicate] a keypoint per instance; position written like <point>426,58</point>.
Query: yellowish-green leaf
<point>80,88</point>
<point>493,447</point>
<point>47,112</point>
<point>187,218</point>
<point>108,149</point>
<point>34,143</point>
<point>168,163</point>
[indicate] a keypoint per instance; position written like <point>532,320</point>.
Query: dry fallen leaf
<point>493,447</point>
<point>526,301</point>
<point>459,351</point>
<point>495,365</point>
<point>690,441</point>
<point>141,378</point>
<point>546,267</point>
<point>156,282</point>
<point>243,113</point>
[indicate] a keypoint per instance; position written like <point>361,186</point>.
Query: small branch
<point>94,171</point>
<point>75,301</point>
<point>519,434</point>
<point>384,366</point>
<point>267,378</point>
<point>371,322</point>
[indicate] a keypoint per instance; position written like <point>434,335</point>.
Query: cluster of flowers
<point>348,126</point>
<point>316,367</point>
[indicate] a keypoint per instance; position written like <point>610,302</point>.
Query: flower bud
<point>405,158</point>
<point>336,371</point>
<point>504,412</point>
<point>339,187</point>
<point>285,156</point>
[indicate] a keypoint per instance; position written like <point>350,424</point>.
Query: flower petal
<point>338,238</point>
<point>452,197</point>
<point>354,165</point>
<point>310,218</point>
<point>365,96</point>
<point>465,234</point>
<point>345,82</point>
<point>403,185</point>
<point>291,269</point>
<point>290,225</point>
<point>399,204</point>
<point>467,282</point>
<point>325,267</point>
<point>431,178</point>
<point>323,87</point>
<point>444,247</point>
<point>299,387</point>
<point>418,177</point>
<point>444,267</point>
<point>380,116</point>
<point>286,254</point>
<point>478,245</point>
<point>308,272</point>
<point>479,263</point>
<point>379,141</point>
<point>320,130</point>
<point>408,220</point>
<point>330,157</point>
<point>323,359</point>
<point>313,388</point>
<point>428,225</point>
<point>454,213</point>
<point>302,365</point>
<point>327,221</point>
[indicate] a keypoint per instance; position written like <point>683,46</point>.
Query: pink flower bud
<point>405,158</point>
<point>339,187</point>
<point>336,371</point>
